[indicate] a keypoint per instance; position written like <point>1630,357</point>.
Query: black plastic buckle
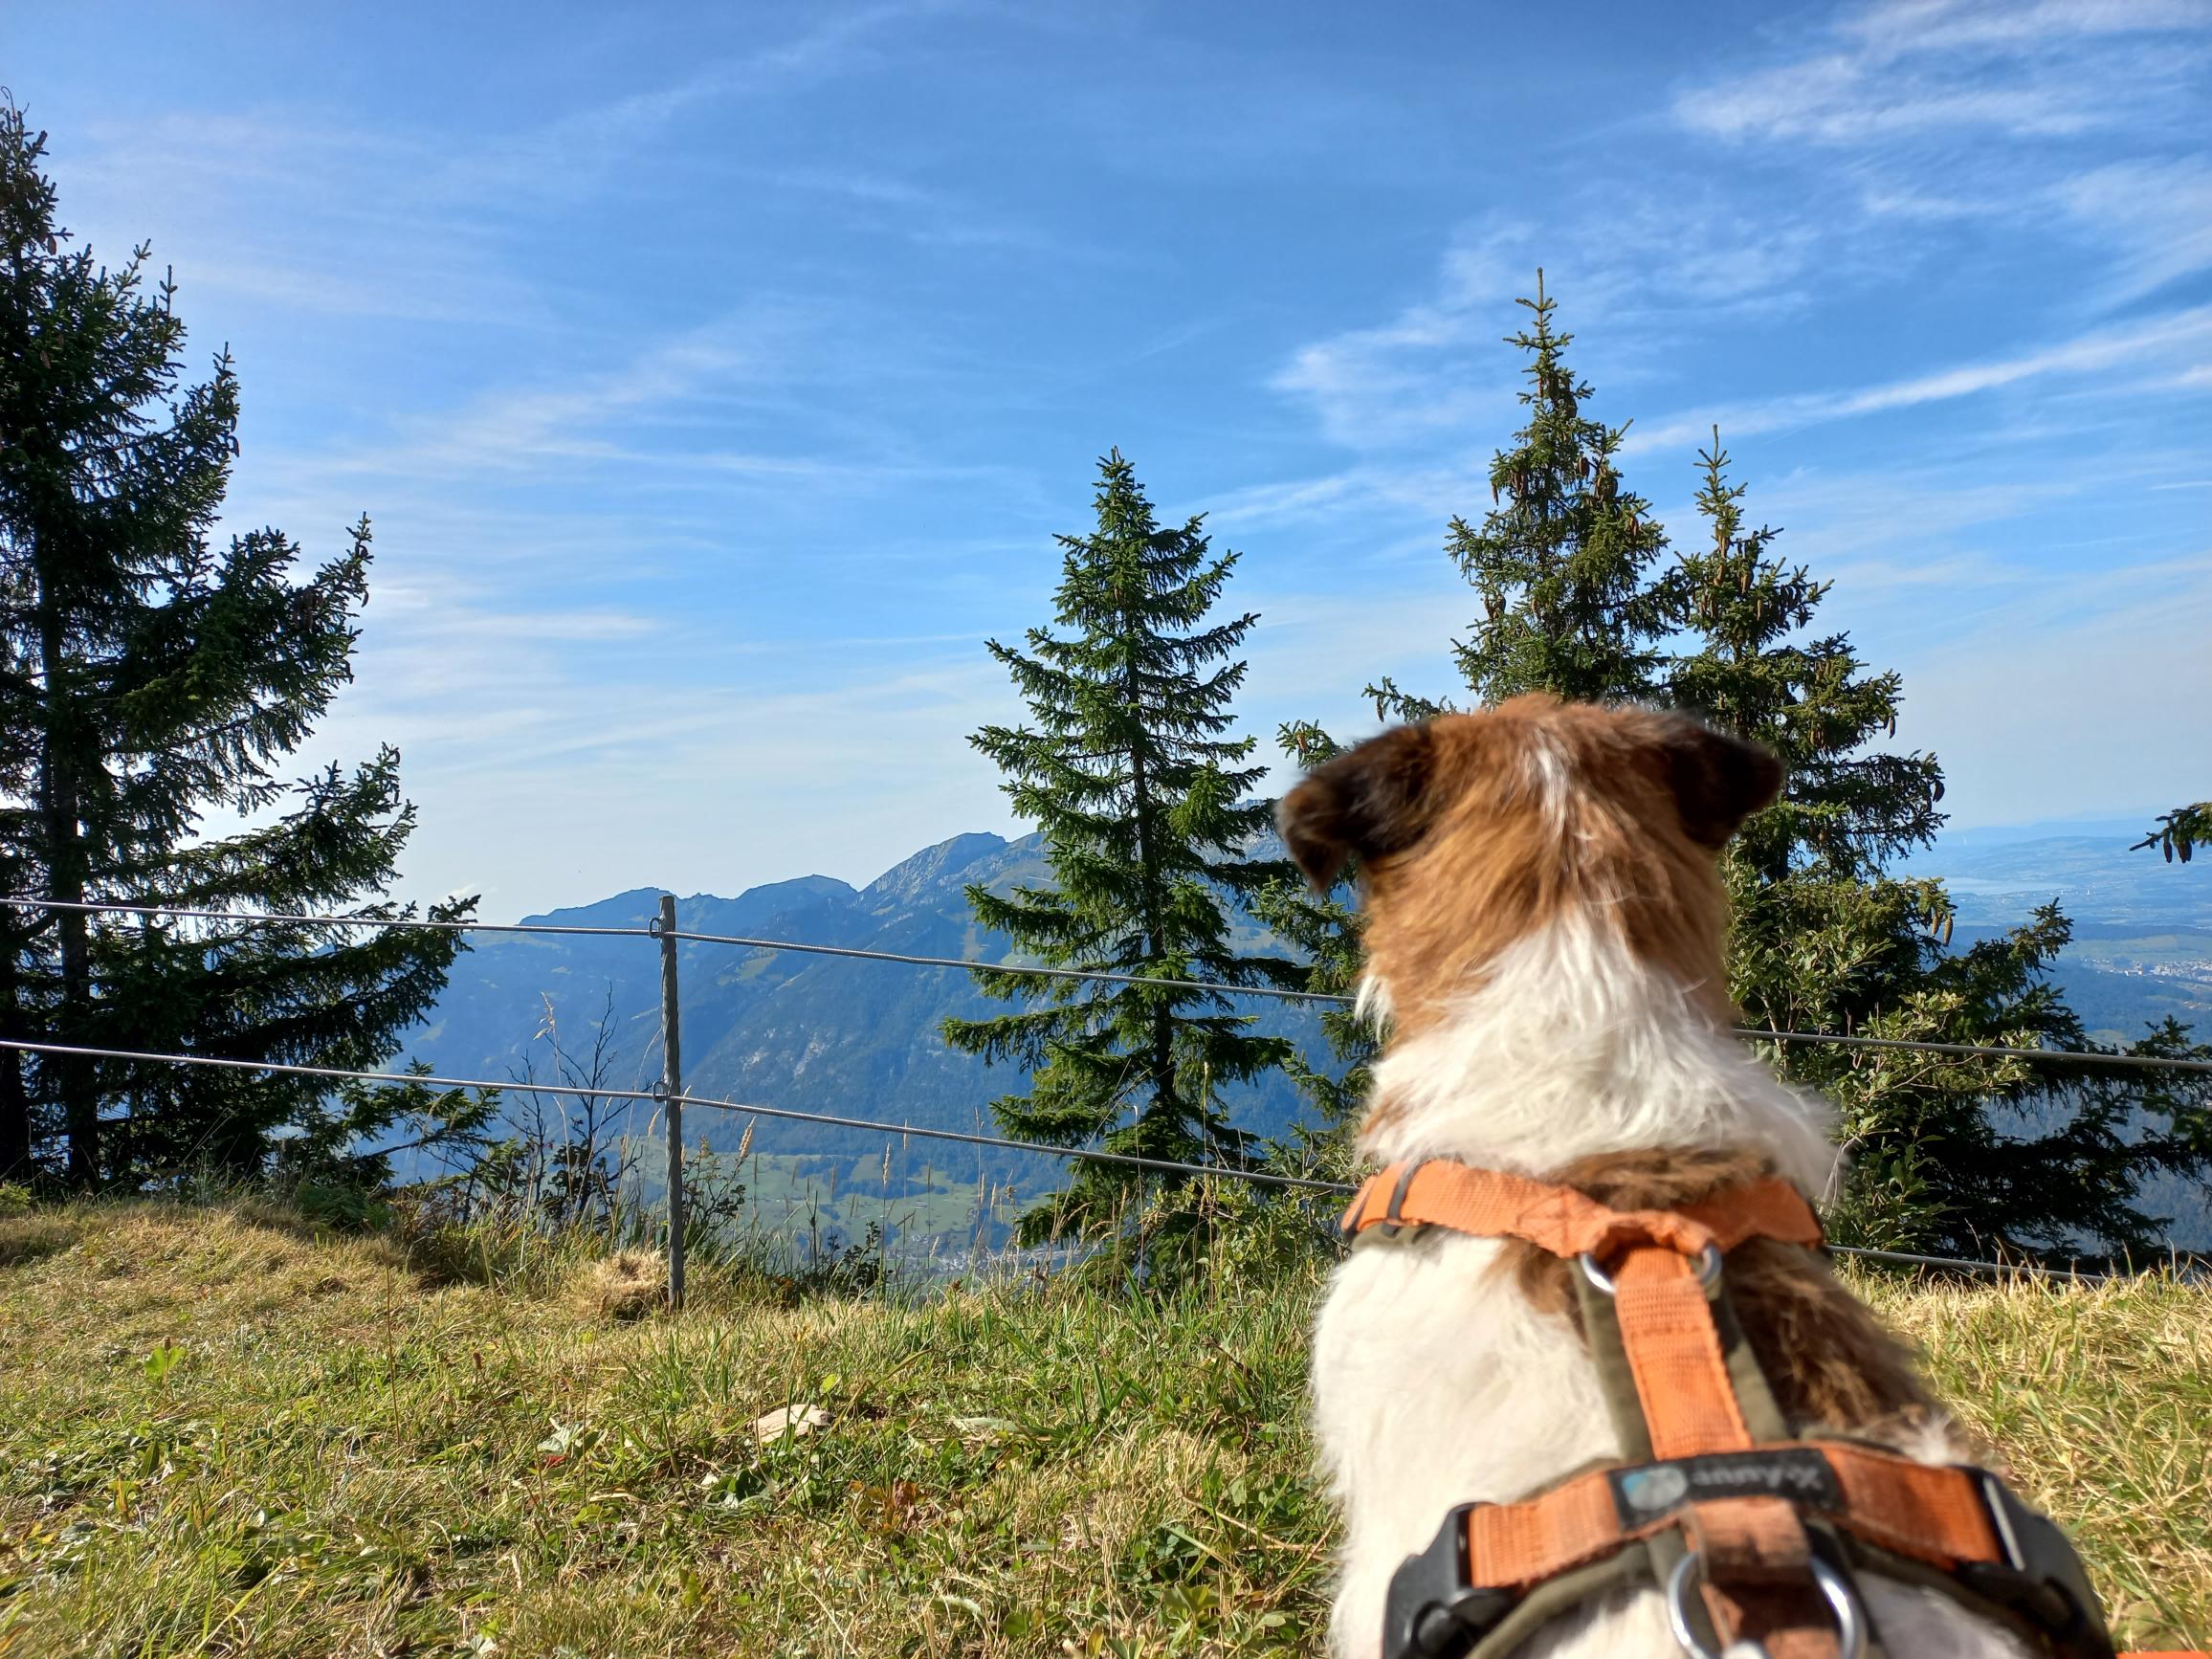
<point>2042,1579</point>
<point>1393,1225</point>
<point>1432,1611</point>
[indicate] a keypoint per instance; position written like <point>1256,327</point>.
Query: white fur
<point>1435,1381</point>
<point>1549,773</point>
<point>1574,1047</point>
<point>1372,1003</point>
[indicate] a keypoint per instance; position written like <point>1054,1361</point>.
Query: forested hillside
<point>817,1033</point>
<point>860,1038</point>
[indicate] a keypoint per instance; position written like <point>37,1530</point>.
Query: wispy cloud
<point>1910,67</point>
<point>2155,217</point>
<point>276,206</point>
<point>1647,265</point>
<point>584,149</point>
<point>2160,340</point>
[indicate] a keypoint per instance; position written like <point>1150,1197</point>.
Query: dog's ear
<point>1719,780</point>
<point>1367,801</point>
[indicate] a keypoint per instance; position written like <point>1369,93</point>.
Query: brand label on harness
<point>1644,1494</point>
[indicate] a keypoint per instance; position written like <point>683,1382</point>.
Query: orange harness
<point>1721,1502</point>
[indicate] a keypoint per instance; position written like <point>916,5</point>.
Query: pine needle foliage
<point>146,677</point>
<point>1325,930</point>
<point>2178,834</point>
<point>1562,563</point>
<point>1145,804</point>
<point>1562,560</point>
<point>1951,1154</point>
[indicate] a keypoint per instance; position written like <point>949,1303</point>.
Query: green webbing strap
<point>1754,1394</point>
<point>1625,1569</point>
<point>1602,1335</point>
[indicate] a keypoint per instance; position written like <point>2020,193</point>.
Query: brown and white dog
<point>1544,928</point>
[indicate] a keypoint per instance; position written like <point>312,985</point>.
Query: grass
<point>222,1434</point>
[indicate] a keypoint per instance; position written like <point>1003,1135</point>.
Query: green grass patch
<point>224,1431</point>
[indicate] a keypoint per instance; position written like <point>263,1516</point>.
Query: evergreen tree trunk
<point>57,797</point>
<point>15,1097</point>
<point>1165,1104</point>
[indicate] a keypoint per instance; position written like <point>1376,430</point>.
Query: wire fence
<point>2087,1058</point>
<point>672,1097</point>
<point>917,1131</point>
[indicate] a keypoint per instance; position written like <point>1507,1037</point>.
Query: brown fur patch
<point>1535,807</point>
<point>1828,1360</point>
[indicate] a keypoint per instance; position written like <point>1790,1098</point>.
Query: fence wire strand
<point>2056,1057</point>
<point>1081,1154</point>
<point>834,1121</point>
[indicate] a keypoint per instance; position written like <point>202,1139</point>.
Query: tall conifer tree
<point>1948,1153</point>
<point>1951,1153</point>
<point>148,677</point>
<point>1562,566</point>
<point>1562,560</point>
<point>1325,930</point>
<point>1145,806</point>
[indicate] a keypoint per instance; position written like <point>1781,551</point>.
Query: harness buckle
<point>1393,1225</point>
<point>1432,1612</point>
<point>2042,1579</point>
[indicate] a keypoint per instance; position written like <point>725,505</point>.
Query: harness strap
<point>1675,1355</point>
<point>1493,1204</point>
<point>1763,1518</point>
<point>1932,1513</point>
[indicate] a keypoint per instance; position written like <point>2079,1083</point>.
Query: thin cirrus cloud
<point>2159,342</point>
<point>716,386</point>
<point>1909,68</point>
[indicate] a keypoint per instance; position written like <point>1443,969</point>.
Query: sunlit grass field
<point>221,1433</point>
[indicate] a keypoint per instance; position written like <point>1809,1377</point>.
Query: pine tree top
<point>1559,561</point>
<point>1129,767</point>
<point>1759,673</point>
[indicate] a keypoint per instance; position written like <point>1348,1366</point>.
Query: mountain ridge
<point>860,1038</point>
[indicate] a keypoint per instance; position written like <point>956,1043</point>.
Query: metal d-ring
<point>1708,1268</point>
<point>1843,1602</point>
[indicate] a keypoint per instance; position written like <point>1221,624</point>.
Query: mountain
<point>860,1038</point>
<point>807,1032</point>
<point>2142,950</point>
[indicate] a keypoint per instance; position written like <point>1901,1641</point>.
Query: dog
<point>1545,930</point>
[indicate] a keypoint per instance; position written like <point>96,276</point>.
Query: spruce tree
<point>1561,560</point>
<point>1147,815</point>
<point>1951,1154</point>
<point>1324,930</point>
<point>1562,566</point>
<point>149,678</point>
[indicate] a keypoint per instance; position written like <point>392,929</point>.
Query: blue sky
<point>717,377</point>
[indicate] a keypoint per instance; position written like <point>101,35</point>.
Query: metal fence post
<point>672,1097</point>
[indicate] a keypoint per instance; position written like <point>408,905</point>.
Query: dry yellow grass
<point>220,1434</point>
<point>627,1285</point>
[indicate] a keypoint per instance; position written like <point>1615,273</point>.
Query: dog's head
<point>1474,831</point>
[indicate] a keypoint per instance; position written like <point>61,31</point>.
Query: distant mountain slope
<point>2142,945</point>
<point>784,1029</point>
<point>860,1038</point>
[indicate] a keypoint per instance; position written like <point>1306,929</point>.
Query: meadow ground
<point>222,1434</point>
